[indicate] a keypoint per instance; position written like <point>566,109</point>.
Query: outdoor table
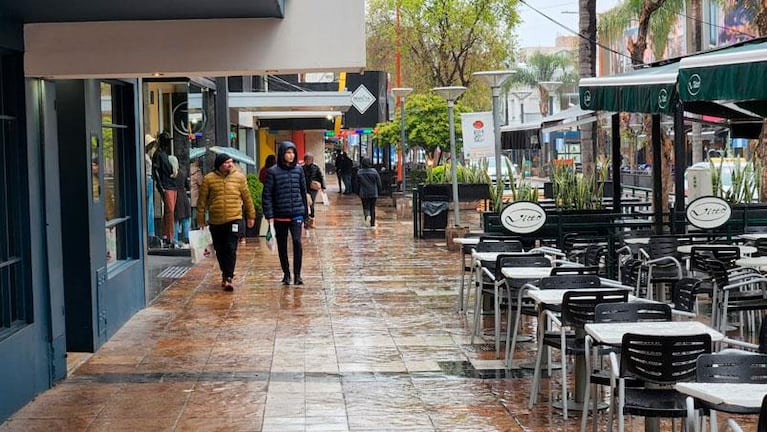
<point>469,241</point>
<point>687,249</point>
<point>612,334</point>
<point>637,241</point>
<point>753,236</point>
<point>742,395</point>
<point>758,263</point>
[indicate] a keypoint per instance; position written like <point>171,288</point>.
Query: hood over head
<point>365,163</point>
<point>284,146</point>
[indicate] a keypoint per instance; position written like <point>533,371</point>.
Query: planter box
<point>466,191</point>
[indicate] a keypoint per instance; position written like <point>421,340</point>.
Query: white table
<point>753,236</point>
<point>466,240</point>
<point>637,241</point>
<point>758,263</point>
<point>526,272</point>
<point>736,394</point>
<point>612,333</point>
<point>687,249</point>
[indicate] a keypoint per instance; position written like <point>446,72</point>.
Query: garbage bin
<point>434,209</point>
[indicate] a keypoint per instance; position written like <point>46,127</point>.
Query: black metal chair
<point>760,347</point>
<point>761,426</point>
<point>684,295</point>
<point>662,262</point>
<point>724,368</point>
<point>735,293</point>
<point>568,270</point>
<point>578,309</point>
<point>485,244</point>
<point>521,306</point>
<point>617,313</point>
<point>495,284</point>
<point>658,361</point>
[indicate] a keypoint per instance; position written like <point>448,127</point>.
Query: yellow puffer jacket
<point>223,197</point>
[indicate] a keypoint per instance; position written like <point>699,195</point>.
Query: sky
<point>536,30</point>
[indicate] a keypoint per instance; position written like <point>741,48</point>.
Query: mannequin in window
<point>162,173</point>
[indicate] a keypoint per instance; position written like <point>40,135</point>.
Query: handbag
<point>201,244</point>
<point>315,185</point>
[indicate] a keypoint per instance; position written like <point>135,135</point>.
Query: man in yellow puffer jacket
<point>222,194</point>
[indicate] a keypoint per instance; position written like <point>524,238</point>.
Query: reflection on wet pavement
<point>371,342</point>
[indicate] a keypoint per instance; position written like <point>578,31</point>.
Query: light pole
<point>450,94</point>
<point>495,80</point>
<point>521,95</point>
<point>402,92</point>
<point>550,87</point>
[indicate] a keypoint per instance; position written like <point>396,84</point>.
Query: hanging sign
<point>708,212</point>
<point>523,217</point>
<point>478,135</point>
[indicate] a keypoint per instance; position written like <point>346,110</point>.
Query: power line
<point>716,25</point>
<point>574,32</point>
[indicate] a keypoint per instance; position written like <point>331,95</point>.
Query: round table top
<point>744,250</point>
<point>755,262</point>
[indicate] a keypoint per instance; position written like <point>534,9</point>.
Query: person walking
<point>369,183</point>
<point>285,206</point>
<point>223,193</point>
<point>315,182</point>
<point>347,167</point>
<point>162,171</point>
<point>338,164</point>
<point>268,163</point>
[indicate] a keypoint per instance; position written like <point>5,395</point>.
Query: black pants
<point>281,232</point>
<point>313,194</point>
<point>369,209</point>
<point>225,243</point>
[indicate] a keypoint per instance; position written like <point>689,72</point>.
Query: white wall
<point>321,36</point>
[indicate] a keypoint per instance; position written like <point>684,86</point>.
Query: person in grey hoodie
<point>369,188</point>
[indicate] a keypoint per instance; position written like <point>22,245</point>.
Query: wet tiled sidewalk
<point>372,342</point>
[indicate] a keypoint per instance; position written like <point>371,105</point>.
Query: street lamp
<point>551,87</point>
<point>402,92</point>
<point>495,80</point>
<point>521,95</point>
<point>450,94</point>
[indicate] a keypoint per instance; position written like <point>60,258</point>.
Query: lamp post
<point>450,94</point>
<point>495,80</point>
<point>521,95</point>
<point>402,92</point>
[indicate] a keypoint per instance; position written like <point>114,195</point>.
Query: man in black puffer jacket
<point>284,202</point>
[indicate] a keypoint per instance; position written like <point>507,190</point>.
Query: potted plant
<point>256,189</point>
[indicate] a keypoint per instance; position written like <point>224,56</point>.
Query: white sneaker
<point>367,221</point>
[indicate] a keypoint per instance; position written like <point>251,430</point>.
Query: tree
<point>426,123</point>
<point>543,67</point>
<point>442,41</point>
<point>587,63</point>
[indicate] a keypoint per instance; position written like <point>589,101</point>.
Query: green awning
<point>733,74</point>
<point>650,90</point>
<point>237,155</point>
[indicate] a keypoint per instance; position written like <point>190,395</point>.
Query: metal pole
<point>402,144</point>
<point>453,163</point>
<point>497,133</point>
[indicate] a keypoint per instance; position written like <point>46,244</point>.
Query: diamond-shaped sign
<point>362,99</point>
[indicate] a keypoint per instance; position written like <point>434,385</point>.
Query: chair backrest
<point>662,246</point>
<point>683,293</point>
<point>519,260</point>
<point>662,359</point>
<point>761,247</point>
<point>499,246</point>
<point>732,368</point>
<point>593,254</point>
<point>718,272</point>
<point>727,254</point>
<point>632,312</point>
<point>568,270</point>
<point>578,307</point>
<point>699,257</point>
<point>569,282</point>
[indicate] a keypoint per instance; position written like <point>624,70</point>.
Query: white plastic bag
<point>201,244</point>
<point>324,197</point>
<point>271,242</point>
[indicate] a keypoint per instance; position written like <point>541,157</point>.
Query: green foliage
<point>426,124</point>
<point>575,191</point>
<point>745,186</point>
<point>444,174</point>
<point>256,188</point>
<point>524,191</point>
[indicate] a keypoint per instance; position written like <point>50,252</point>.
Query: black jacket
<point>369,182</point>
<point>313,172</point>
<point>284,193</point>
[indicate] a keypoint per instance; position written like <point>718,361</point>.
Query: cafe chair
<point>492,282</point>
<point>684,296</point>
<point>485,244</point>
<point>735,293</point>
<point>522,306</point>
<point>659,361</point>
<point>741,345</point>
<point>724,368</point>
<point>761,425</point>
<point>578,308</point>
<point>615,313</point>
<point>574,270</point>
<point>661,262</point>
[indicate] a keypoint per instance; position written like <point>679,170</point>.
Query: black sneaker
<point>299,281</point>
<point>286,279</point>
<point>228,286</point>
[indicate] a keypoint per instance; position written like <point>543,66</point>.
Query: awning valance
<point>649,90</point>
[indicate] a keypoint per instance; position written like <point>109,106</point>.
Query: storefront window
<point>113,134</point>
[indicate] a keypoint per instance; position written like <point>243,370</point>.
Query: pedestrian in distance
<point>223,194</point>
<point>285,206</point>
<point>315,182</point>
<point>347,167</point>
<point>268,163</point>
<point>162,172</point>
<point>337,165</point>
<point>369,183</point>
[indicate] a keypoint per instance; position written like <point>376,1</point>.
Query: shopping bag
<point>324,198</point>
<point>271,243</point>
<point>315,185</point>
<point>200,244</point>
